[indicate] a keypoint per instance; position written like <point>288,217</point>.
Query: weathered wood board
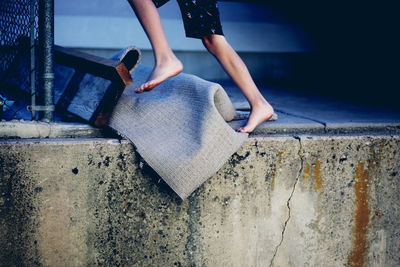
<point>85,85</point>
<point>90,85</point>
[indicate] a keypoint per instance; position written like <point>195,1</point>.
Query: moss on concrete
<point>279,201</point>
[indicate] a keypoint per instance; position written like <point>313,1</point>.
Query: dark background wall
<point>356,44</point>
<point>346,49</point>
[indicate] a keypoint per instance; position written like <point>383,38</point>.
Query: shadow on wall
<point>356,49</point>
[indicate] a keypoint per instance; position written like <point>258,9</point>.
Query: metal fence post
<point>32,23</point>
<point>46,46</point>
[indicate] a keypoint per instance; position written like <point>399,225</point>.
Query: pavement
<point>302,112</point>
<point>298,113</point>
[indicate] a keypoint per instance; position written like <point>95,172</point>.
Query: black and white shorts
<point>200,17</point>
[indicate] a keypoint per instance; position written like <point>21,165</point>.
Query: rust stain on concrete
<point>315,173</point>
<point>361,215</point>
<point>280,153</point>
<point>274,170</point>
<point>306,175</point>
<point>317,176</point>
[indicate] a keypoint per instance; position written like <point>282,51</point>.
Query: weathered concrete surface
<point>306,113</point>
<point>16,129</point>
<point>279,201</point>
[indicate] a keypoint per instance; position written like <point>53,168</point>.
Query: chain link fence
<point>18,33</point>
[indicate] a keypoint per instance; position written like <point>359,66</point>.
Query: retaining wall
<point>279,201</point>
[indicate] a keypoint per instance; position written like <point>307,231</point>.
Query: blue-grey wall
<point>357,45</point>
<point>249,27</point>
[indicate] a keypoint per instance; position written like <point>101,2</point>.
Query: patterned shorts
<point>200,17</point>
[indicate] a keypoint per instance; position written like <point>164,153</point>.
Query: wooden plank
<point>102,67</point>
<point>108,69</point>
<point>105,108</point>
<point>96,85</point>
<point>85,85</point>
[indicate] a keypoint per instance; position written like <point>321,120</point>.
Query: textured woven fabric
<point>179,128</point>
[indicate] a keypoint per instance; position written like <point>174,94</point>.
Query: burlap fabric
<point>179,127</point>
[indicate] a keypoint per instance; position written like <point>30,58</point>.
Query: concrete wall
<point>249,27</point>
<point>262,66</point>
<point>355,45</point>
<point>261,33</point>
<point>279,201</point>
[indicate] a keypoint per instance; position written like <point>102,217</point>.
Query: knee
<point>213,42</point>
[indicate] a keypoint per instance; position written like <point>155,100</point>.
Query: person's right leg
<point>261,110</point>
<point>166,63</point>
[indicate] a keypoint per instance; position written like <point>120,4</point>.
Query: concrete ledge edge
<point>19,129</point>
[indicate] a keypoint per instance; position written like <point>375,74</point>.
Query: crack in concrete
<point>303,117</point>
<point>50,130</point>
<point>288,201</point>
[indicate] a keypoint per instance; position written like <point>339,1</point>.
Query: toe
<point>240,130</point>
<point>245,129</point>
<point>140,89</point>
<point>150,85</point>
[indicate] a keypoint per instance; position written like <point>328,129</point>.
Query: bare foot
<point>162,71</point>
<point>259,114</point>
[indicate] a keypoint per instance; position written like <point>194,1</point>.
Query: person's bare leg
<point>166,63</point>
<point>261,110</point>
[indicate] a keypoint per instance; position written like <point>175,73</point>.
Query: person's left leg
<point>261,110</point>
<point>201,20</point>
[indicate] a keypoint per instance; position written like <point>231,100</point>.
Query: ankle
<point>259,102</point>
<point>165,58</point>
